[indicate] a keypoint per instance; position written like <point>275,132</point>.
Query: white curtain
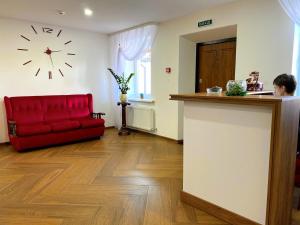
<point>128,45</point>
<point>292,8</point>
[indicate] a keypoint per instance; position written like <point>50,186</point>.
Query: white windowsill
<point>146,100</point>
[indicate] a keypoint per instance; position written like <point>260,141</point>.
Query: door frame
<point>198,56</point>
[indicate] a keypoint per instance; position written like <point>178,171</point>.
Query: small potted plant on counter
<point>236,88</point>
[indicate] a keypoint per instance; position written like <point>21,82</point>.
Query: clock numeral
<point>37,72</point>
<point>70,54</point>
<point>61,72</point>
<point>22,49</point>
<point>25,38</point>
<point>59,33</point>
<point>68,42</point>
<point>50,75</point>
<point>68,65</point>
<point>27,62</point>
<point>33,29</point>
<point>47,30</point>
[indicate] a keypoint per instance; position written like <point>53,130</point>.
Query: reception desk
<point>239,156</point>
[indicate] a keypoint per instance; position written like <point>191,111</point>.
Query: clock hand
<point>56,51</point>
<point>51,60</point>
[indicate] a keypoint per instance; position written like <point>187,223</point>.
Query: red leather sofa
<point>41,121</point>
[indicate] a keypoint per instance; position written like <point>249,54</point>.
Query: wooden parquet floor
<point>132,180</point>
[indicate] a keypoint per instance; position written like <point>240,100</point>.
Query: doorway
<point>215,64</point>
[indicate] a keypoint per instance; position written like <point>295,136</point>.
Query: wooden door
<point>216,65</point>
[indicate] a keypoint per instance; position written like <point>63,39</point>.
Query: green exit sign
<point>204,23</point>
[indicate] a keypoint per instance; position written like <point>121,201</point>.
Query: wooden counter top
<point>222,98</point>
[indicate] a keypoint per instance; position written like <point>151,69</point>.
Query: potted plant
<point>236,88</point>
<point>123,83</point>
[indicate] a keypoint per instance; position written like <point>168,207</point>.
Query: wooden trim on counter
<point>215,210</point>
<point>221,98</point>
<point>282,162</point>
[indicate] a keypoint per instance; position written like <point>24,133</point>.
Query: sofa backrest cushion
<point>38,109</point>
<point>55,108</point>
<point>26,110</point>
<point>79,106</point>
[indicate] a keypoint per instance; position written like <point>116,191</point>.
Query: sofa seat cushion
<point>64,125</point>
<point>90,122</point>
<point>34,129</point>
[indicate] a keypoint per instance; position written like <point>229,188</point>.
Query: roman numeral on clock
<point>68,64</point>
<point>68,42</point>
<point>47,30</point>
<point>37,72</point>
<point>59,33</point>
<point>61,73</point>
<point>27,62</point>
<point>50,75</point>
<point>27,39</point>
<point>33,29</point>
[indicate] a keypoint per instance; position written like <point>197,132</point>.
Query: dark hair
<point>288,81</point>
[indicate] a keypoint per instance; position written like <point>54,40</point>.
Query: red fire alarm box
<point>168,69</point>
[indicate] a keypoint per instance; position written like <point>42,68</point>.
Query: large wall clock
<point>52,51</point>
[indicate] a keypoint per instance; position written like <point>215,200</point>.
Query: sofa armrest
<point>97,115</point>
<point>12,128</point>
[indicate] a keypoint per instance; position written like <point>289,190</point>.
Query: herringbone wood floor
<point>133,180</point>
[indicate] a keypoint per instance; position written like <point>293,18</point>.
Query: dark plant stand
<point>124,130</point>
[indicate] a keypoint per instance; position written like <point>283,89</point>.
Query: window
<point>132,54</point>
<point>141,82</point>
<point>296,57</point>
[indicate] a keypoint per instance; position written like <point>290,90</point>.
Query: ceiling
<point>109,15</point>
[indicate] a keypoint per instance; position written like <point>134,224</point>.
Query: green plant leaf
<point>122,81</point>
<point>235,89</point>
<point>129,78</point>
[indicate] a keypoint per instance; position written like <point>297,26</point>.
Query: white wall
<point>88,75</point>
<point>264,43</point>
<point>187,70</point>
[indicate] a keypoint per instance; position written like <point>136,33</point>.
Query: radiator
<point>140,117</point>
